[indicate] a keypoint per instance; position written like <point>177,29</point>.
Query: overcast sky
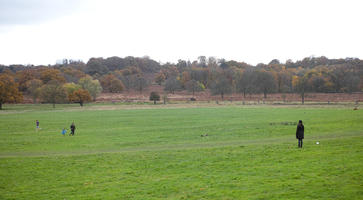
<point>44,31</point>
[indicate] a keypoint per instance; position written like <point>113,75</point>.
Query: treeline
<point>75,81</point>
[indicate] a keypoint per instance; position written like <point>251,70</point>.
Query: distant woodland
<point>79,82</point>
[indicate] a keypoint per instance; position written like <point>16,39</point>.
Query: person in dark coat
<point>73,128</point>
<point>300,133</point>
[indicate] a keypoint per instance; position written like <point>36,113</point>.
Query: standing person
<point>73,128</point>
<point>300,133</point>
<point>37,125</point>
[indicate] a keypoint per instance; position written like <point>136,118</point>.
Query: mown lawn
<point>158,153</point>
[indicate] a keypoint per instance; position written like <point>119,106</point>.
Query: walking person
<point>37,125</point>
<point>73,128</point>
<point>300,133</point>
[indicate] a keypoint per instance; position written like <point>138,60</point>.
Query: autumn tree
<point>337,78</point>
<point>139,83</point>
<point>154,96</point>
<point>96,66</point>
<point>9,92</point>
<point>80,96</point>
<point>221,86</point>
<point>49,74</point>
<point>125,79</point>
<point>300,86</point>
<point>172,84</point>
<point>22,77</point>
<point>194,86</point>
<point>160,78</point>
<point>130,70</point>
<point>318,84</point>
<point>170,71</point>
<point>265,83</point>
<point>113,63</point>
<point>72,74</point>
<point>283,79</point>
<point>185,77</point>
<point>110,83</point>
<point>351,82</point>
<point>34,88</point>
<point>70,88</point>
<point>128,76</point>
<point>92,86</point>
<point>245,82</point>
<point>53,92</point>
<point>200,74</point>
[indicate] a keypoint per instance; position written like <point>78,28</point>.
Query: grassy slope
<point>158,153</point>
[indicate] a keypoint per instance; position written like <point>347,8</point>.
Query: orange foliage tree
<point>80,96</point>
<point>51,74</point>
<point>22,77</point>
<point>111,84</point>
<point>33,90</point>
<point>160,78</point>
<point>72,75</point>
<point>9,92</point>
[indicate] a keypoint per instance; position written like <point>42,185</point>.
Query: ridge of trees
<point>221,77</point>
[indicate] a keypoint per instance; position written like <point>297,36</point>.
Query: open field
<point>157,152</point>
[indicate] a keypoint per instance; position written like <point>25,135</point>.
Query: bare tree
<point>172,84</point>
<point>301,87</point>
<point>194,86</point>
<point>139,83</point>
<point>265,83</point>
<point>245,83</point>
<point>221,86</point>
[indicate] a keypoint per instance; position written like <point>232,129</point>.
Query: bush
<point>154,96</point>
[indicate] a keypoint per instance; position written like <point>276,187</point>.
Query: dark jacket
<point>73,127</point>
<point>300,132</point>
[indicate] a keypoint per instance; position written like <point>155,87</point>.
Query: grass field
<point>157,152</point>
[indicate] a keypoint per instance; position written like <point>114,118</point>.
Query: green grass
<point>157,152</point>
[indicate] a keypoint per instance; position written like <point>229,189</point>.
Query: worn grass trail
<point>249,153</point>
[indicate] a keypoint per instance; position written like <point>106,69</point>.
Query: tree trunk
<point>265,94</point>
<point>302,97</point>
<point>81,103</point>
<point>154,101</point>
<point>1,106</point>
<point>222,95</point>
<point>53,105</point>
<point>244,94</point>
